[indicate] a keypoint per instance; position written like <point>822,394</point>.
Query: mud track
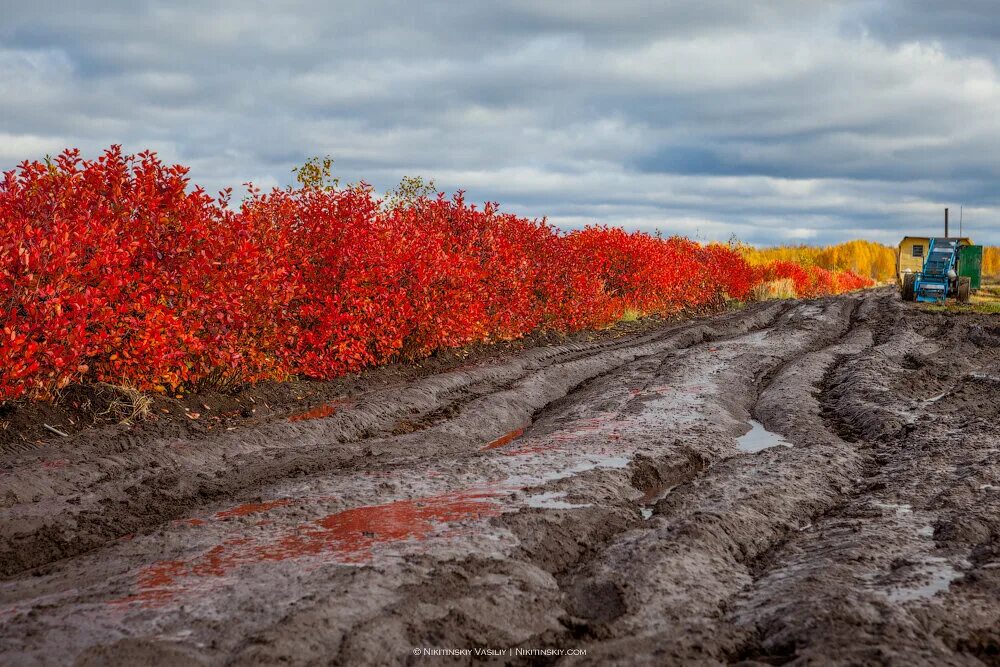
<point>609,498</point>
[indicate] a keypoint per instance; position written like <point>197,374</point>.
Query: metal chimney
<point>946,223</point>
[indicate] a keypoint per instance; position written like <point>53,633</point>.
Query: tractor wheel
<point>909,280</point>
<point>964,288</point>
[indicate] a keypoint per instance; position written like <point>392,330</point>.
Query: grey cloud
<point>782,121</point>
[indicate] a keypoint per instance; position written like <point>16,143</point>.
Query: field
<point>404,425</point>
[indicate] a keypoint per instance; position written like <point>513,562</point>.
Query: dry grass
<point>986,300</point>
<point>125,404</point>
<point>776,289</point>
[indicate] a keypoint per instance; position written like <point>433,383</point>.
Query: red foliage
<point>812,281</point>
<point>115,270</point>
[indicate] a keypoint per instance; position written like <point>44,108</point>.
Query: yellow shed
<point>912,251</point>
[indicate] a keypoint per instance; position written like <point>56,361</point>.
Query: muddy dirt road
<point>798,482</point>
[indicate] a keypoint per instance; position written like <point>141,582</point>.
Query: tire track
<point>897,557</point>
<point>91,500</point>
<point>786,555</point>
<point>700,550</point>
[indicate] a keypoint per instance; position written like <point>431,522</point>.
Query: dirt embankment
<point>800,481</point>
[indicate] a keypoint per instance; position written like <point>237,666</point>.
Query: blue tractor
<point>939,278</point>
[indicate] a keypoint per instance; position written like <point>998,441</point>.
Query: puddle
<point>933,576</point>
<point>535,447</point>
<point>935,399</point>
<point>189,522</point>
<point>357,535</point>
<point>353,536</point>
<point>589,462</point>
<point>319,412</point>
<point>504,439</point>
<point>899,508</point>
<point>651,497</point>
<point>759,438</point>
<point>350,537</point>
<point>252,508</point>
<point>552,500</point>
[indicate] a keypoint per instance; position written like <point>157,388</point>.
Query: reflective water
<point>759,438</point>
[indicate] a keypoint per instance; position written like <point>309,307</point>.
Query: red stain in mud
<point>504,439</point>
<point>538,448</point>
<point>252,508</point>
<point>349,536</point>
<point>318,412</point>
<point>353,533</point>
<point>57,463</point>
<point>190,522</point>
<point>321,411</point>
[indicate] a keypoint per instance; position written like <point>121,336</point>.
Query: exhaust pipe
<point>946,223</point>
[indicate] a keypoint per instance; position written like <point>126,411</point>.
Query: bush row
<point>117,270</point>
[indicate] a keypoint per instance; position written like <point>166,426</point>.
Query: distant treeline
<point>866,258</point>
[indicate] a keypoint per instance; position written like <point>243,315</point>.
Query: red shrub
<point>115,270</point>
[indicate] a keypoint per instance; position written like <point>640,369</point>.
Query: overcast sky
<point>784,121</point>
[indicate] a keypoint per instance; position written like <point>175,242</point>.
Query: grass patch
<point>993,308</point>
<point>630,315</point>
<point>776,289</point>
<point>985,300</point>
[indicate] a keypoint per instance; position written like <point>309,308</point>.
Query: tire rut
<point>135,494</point>
<point>545,544</point>
<point>872,555</point>
<point>582,586</point>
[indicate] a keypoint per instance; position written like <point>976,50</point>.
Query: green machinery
<point>970,265</point>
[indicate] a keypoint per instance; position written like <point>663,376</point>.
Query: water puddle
<point>931,577</point>
<point>357,535</point>
<point>935,399</point>
<point>349,537</point>
<point>504,439</point>
<point>552,500</point>
<point>252,508</point>
<point>899,508</point>
<point>566,434</point>
<point>319,412</point>
<point>587,463</point>
<point>759,438</point>
<point>651,497</point>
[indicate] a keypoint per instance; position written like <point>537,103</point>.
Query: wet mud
<point>812,482</point>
